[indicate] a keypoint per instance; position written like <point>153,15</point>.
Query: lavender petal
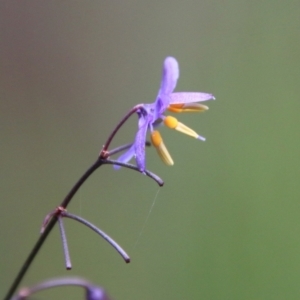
<point>139,144</point>
<point>186,97</point>
<point>126,157</point>
<point>170,76</point>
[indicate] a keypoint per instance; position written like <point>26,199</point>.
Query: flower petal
<point>125,157</point>
<point>186,97</point>
<point>139,144</point>
<point>169,76</point>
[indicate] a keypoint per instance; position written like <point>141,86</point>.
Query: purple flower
<point>152,115</point>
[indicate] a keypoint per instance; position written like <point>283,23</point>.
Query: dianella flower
<point>152,115</point>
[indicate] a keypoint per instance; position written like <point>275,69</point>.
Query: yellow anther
<point>188,107</point>
<point>173,123</point>
<point>176,108</point>
<point>170,122</point>
<point>184,129</point>
<point>165,155</point>
<point>156,138</point>
<point>162,151</point>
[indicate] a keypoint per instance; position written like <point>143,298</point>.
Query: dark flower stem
<point>64,243</point>
<point>100,232</point>
<point>153,176</point>
<point>98,163</point>
<point>123,147</point>
<point>103,152</point>
<point>119,149</point>
<point>48,229</point>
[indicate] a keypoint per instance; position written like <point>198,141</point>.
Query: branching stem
<point>98,163</point>
<point>103,152</point>
<point>48,229</point>
<point>113,243</point>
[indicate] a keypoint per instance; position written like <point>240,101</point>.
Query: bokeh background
<point>226,225</point>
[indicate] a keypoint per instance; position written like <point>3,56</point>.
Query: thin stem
<point>153,176</point>
<point>47,219</point>
<point>100,161</point>
<point>79,183</point>
<point>119,149</point>
<point>122,148</point>
<point>48,229</point>
<point>100,232</point>
<point>64,243</point>
<point>103,152</point>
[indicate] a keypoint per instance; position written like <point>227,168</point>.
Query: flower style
<point>152,115</point>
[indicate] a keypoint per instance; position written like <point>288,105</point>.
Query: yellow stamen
<point>184,129</point>
<point>187,107</point>
<point>162,151</point>
<point>173,123</point>
<point>156,138</point>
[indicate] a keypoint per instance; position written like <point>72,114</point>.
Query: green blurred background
<point>226,225</point>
